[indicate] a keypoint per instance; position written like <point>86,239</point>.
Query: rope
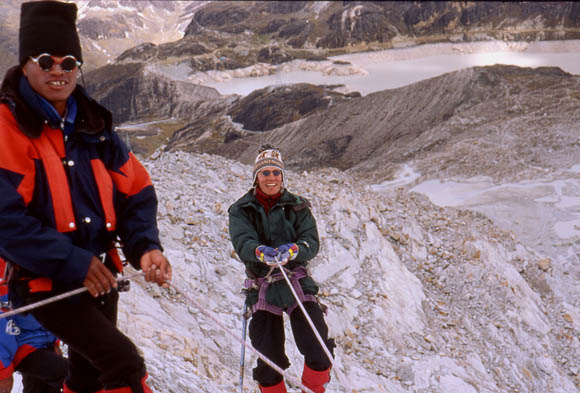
<point>270,363</point>
<point>56,298</point>
<point>244,343</point>
<point>339,375</point>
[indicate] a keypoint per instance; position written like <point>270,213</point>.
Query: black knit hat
<point>48,27</point>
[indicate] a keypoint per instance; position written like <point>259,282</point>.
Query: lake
<point>388,69</point>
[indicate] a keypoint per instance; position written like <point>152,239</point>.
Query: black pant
<point>100,355</point>
<point>43,371</point>
<point>267,336</point>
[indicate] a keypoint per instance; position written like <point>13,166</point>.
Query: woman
<point>270,225</point>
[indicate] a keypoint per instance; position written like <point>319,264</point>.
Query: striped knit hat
<point>268,155</point>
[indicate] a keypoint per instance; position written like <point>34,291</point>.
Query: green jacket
<point>289,221</point>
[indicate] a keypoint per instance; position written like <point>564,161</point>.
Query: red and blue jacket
<point>67,198</point>
<point>20,335</point>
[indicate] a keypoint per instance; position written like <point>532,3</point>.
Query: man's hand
<point>156,268</point>
<point>99,280</point>
<point>6,384</point>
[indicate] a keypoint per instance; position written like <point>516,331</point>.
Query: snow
<point>560,195</point>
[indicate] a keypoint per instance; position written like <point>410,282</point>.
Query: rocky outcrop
<point>361,25</point>
<point>212,126</point>
<point>133,93</point>
<point>364,22</point>
<point>148,50</point>
<point>266,109</point>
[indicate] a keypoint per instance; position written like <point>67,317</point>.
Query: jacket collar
<point>91,118</point>
<point>250,199</point>
<point>44,109</point>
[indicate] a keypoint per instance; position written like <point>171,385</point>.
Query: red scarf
<point>267,201</point>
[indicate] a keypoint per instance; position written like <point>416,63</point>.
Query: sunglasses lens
<point>45,62</point>
<point>68,64</point>
<point>267,173</point>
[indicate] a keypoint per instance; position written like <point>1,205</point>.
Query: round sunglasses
<point>45,61</point>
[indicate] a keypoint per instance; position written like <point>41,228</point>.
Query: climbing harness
<point>263,283</point>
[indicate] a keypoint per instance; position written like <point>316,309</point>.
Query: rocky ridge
<point>214,35</point>
<point>495,121</point>
<point>237,34</point>
<point>421,298</point>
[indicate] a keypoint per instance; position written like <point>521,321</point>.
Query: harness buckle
<point>12,329</point>
<point>124,285</point>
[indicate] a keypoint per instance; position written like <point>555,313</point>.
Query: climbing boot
<point>315,380</point>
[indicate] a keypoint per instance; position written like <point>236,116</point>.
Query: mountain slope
<point>106,27</point>
<point>421,298</point>
<point>483,114</point>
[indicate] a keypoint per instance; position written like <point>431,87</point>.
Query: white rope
<point>340,377</point>
<point>270,363</point>
<point>56,298</point>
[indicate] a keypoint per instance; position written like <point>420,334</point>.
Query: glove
<point>266,254</point>
<point>287,252</point>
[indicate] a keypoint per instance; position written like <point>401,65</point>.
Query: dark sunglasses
<point>267,173</point>
<point>45,61</point>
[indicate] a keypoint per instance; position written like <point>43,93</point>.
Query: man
<point>70,189</point>
<point>26,347</point>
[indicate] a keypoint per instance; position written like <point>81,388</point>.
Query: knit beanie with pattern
<point>268,156</point>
